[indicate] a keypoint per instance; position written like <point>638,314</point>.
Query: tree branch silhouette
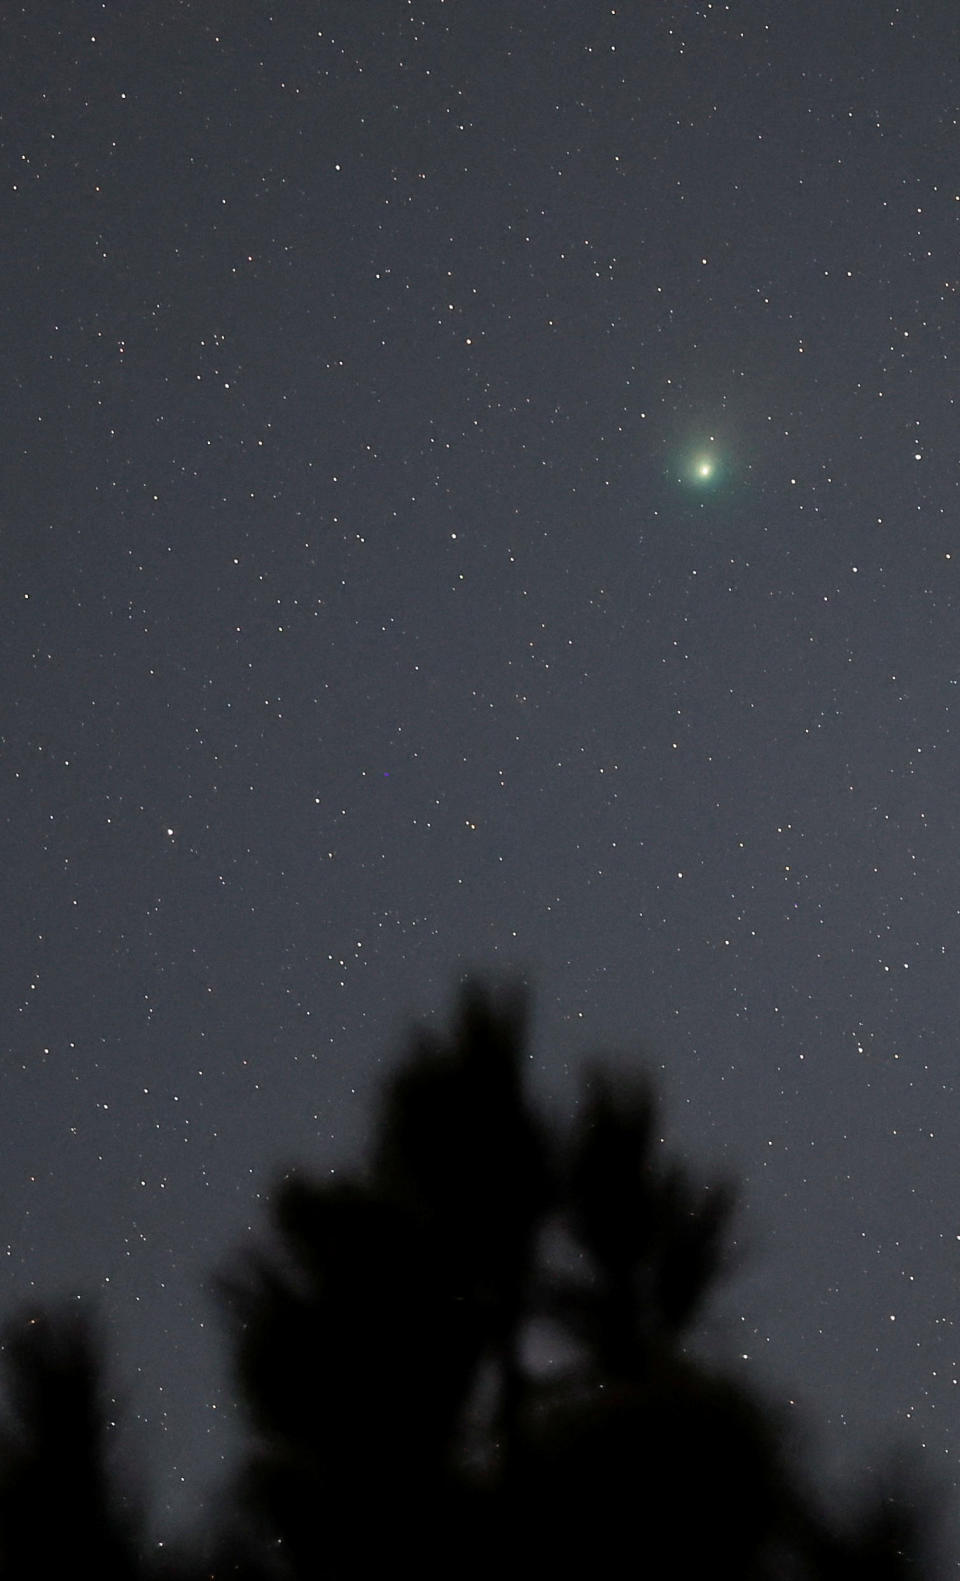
<point>405,1408</point>
<point>389,1325</point>
<point>60,1510</point>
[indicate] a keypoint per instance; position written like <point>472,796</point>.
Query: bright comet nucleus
<point>703,467</point>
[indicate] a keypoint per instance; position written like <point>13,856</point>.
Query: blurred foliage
<point>404,1406</point>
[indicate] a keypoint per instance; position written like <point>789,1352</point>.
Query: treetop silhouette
<point>474,1355</point>
<point>384,1346</point>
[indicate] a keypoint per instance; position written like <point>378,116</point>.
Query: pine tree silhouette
<point>60,1514</point>
<point>383,1351</point>
<point>389,1350</point>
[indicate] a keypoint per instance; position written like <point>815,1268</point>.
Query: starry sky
<point>480,492</point>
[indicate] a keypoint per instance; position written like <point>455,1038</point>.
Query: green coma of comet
<point>702,468</point>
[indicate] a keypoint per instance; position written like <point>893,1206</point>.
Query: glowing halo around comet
<point>702,469</point>
<point>705,468</point>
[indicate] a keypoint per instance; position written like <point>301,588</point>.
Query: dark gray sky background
<point>367,620</point>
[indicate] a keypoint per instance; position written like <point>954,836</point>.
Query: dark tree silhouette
<point>384,1351</point>
<point>361,1343</point>
<point>59,1512</point>
<point>406,1409</point>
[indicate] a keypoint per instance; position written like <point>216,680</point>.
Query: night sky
<point>480,492</point>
